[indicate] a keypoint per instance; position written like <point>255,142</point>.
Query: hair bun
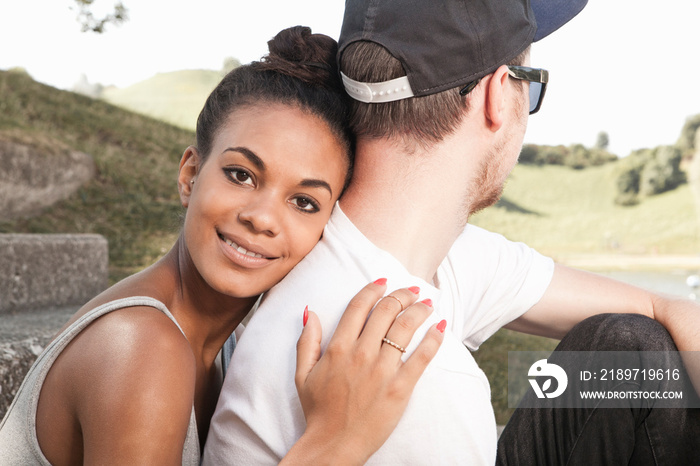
<point>299,53</point>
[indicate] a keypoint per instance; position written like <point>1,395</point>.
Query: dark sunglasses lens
<point>535,94</point>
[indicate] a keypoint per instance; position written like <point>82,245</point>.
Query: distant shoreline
<point>636,262</point>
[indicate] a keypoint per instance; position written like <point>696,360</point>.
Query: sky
<point>626,67</point>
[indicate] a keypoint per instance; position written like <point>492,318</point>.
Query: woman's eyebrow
<point>258,162</point>
<point>312,183</point>
<point>250,155</point>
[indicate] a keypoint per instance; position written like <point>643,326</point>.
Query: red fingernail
<point>441,326</point>
<point>306,315</point>
<point>414,290</point>
<point>428,302</point>
<point>380,281</point>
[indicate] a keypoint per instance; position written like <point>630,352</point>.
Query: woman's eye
<point>239,176</point>
<point>305,204</point>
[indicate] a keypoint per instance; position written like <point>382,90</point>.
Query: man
<point>442,106</point>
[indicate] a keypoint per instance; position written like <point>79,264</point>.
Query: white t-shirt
<point>484,282</point>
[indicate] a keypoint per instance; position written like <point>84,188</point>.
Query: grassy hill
<point>562,211</point>
<point>176,97</point>
<point>133,200</point>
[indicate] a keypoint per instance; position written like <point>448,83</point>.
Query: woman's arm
<point>127,383</point>
<point>354,395</point>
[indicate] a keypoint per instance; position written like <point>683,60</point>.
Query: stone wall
<point>38,173</point>
<point>44,279</point>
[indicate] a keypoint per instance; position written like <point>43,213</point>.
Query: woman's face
<point>262,198</point>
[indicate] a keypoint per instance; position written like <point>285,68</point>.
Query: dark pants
<point>605,436</point>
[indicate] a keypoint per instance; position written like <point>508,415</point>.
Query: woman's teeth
<point>241,249</point>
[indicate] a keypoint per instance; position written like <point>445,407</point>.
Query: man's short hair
<point>424,120</point>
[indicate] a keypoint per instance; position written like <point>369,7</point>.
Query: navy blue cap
<point>443,44</point>
<point>553,14</point>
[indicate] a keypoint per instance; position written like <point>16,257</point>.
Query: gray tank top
<point>18,440</point>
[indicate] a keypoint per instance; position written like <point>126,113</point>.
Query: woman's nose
<point>262,215</point>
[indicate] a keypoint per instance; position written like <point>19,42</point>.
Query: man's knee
<point>618,332</point>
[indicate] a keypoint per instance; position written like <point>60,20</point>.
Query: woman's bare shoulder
<point>131,346</point>
<point>129,378</point>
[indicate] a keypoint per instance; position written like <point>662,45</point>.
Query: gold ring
<point>391,343</point>
<point>397,300</point>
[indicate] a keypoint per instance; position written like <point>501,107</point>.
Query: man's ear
<point>189,168</point>
<point>495,100</point>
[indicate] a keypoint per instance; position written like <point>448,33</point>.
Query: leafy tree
<point>629,175</point>
<point>597,156</point>
<point>576,156</point>
<point>553,155</point>
<point>230,64</point>
<point>663,173</point>
<point>627,184</point>
<point>528,154</point>
<point>648,172</point>
<point>686,141</point>
<point>652,179</point>
<point>88,21</point>
<point>602,141</point>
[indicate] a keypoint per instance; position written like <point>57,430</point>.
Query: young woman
<point>132,379</point>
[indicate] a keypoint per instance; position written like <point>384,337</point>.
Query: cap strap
<point>386,91</point>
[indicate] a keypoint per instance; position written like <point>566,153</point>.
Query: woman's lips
<point>247,258</point>
<point>240,249</point>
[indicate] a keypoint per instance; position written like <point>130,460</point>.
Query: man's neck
<point>412,205</point>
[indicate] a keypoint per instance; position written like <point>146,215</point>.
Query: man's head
<point>425,52</point>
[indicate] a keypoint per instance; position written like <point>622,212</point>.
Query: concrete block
<point>40,272</point>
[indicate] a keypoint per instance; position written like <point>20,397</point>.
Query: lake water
<point>673,282</point>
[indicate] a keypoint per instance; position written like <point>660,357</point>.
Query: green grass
<point>561,211</point>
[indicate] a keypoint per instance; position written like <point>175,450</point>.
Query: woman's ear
<point>189,167</point>
<point>496,98</point>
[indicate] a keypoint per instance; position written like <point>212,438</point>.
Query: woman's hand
<point>354,395</point>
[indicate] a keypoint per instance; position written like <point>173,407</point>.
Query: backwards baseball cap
<point>443,44</point>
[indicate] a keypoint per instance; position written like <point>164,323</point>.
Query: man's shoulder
<point>324,279</point>
<point>472,231</point>
<point>483,253</point>
<point>342,257</point>
<point>478,240</point>
<point>325,261</point>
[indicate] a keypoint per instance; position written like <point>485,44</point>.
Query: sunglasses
<point>537,78</point>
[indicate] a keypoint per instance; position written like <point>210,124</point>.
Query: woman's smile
<point>251,256</point>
